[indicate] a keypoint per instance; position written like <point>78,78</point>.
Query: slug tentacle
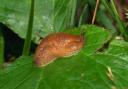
<point>57,45</point>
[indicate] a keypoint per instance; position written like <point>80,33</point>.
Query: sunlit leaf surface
<point>86,70</point>
<point>49,16</point>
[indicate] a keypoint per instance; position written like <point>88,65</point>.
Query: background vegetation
<point>101,64</point>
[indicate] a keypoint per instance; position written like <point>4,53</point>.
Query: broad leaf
<point>94,37</point>
<point>50,16</point>
<point>115,59</point>
<point>87,69</point>
<point>20,75</point>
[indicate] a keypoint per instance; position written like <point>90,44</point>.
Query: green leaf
<point>20,75</point>
<point>116,59</point>
<point>95,37</point>
<point>87,69</point>
<point>76,72</point>
<point>50,16</point>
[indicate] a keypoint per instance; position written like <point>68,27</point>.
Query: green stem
<point>82,14</point>
<point>73,12</point>
<point>27,43</point>
<point>112,10</point>
<point>1,46</point>
<point>120,23</point>
<point>106,4</point>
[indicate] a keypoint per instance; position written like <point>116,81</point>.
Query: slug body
<point>57,45</point>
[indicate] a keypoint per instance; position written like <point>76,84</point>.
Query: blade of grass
<point>106,4</point>
<point>112,10</point>
<point>73,11</point>
<point>107,22</point>
<point>27,43</point>
<point>70,12</point>
<point>83,14</point>
<point>1,46</point>
<point>119,22</point>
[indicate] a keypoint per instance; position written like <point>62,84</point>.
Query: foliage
<point>101,64</point>
<point>45,19</point>
<point>1,46</point>
<point>88,69</point>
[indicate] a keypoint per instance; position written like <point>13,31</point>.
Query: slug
<point>57,45</point>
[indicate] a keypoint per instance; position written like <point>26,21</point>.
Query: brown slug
<point>57,45</point>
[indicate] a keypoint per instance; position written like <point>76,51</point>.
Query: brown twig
<point>95,11</point>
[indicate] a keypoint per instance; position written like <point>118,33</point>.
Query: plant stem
<point>122,28</point>
<point>73,12</point>
<point>27,43</point>
<point>95,11</point>
<point>1,46</point>
<point>82,14</point>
